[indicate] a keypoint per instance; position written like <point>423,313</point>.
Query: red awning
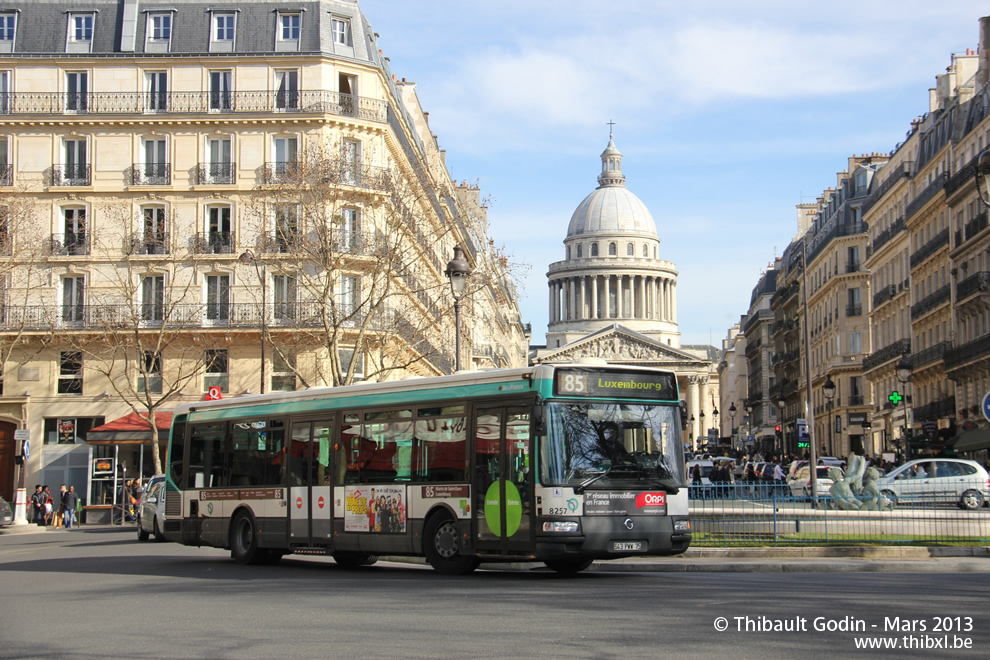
<point>130,429</point>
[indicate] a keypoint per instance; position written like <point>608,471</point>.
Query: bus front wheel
<point>442,546</point>
<point>568,566</point>
<point>244,541</point>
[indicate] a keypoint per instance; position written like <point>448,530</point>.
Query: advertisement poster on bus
<point>614,503</point>
<point>375,509</point>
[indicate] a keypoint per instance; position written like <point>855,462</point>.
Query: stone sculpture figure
<point>873,499</point>
<point>841,493</point>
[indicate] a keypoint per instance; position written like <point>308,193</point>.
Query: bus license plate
<point>627,546</point>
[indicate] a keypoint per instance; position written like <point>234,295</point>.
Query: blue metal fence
<point>759,514</point>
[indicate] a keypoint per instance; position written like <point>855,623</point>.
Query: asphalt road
<point>98,593</point>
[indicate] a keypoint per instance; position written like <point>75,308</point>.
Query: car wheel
<point>971,500</point>
<point>442,546</point>
<point>568,566</point>
<point>159,537</point>
<point>244,541</point>
<point>142,535</point>
<point>889,494</point>
<point>352,560</point>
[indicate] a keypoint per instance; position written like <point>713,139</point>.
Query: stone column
<point>608,296</point>
<point>642,297</point>
<point>583,293</point>
<point>594,297</point>
<point>673,302</point>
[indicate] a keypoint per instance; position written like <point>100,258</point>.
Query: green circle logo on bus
<point>513,508</point>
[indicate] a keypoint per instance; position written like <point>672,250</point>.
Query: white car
<point>932,480</point>
<point>151,511</point>
<point>800,485</point>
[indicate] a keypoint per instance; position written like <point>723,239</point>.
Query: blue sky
<point>728,114</point>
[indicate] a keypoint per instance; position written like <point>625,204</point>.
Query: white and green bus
<point>561,464</point>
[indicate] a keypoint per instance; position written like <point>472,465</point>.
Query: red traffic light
<point>777,429</point>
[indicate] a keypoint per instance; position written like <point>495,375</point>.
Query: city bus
<point>560,464</point>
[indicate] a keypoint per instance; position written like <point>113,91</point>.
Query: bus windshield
<point>613,445</point>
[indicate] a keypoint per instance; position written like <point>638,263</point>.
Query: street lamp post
<point>702,432</point>
<point>458,270</point>
<point>828,388</point>
<point>732,421</point>
<point>781,404</point>
<point>249,258</point>
<point>715,424</point>
<point>749,417</point>
<point>904,369</point>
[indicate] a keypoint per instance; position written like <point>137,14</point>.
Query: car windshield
<point>615,445</point>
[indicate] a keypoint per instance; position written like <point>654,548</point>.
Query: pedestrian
<point>60,511</point>
<point>38,505</point>
<point>70,502</point>
<point>49,505</point>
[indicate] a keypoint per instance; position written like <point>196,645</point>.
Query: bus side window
<point>207,465</point>
<point>440,449</point>
<point>350,443</point>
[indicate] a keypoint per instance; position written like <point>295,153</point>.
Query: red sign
<point>298,502</point>
<point>214,394</point>
<point>320,502</point>
<point>651,499</point>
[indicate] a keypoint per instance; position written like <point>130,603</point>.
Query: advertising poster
<point>375,509</point>
<point>615,503</point>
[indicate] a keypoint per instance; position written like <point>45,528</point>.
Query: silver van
<point>151,510</point>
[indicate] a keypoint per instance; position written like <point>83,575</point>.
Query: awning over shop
<point>972,440</point>
<point>130,429</point>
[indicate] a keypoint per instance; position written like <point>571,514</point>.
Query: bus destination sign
<point>615,384</point>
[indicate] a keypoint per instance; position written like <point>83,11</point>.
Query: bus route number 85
<point>574,383</point>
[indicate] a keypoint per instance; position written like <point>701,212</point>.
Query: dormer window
<point>287,32</point>
<point>8,28</point>
<point>222,34</point>
<point>341,28</point>
<point>80,38</point>
<point>158,32</point>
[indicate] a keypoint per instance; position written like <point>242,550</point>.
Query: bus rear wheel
<point>568,566</point>
<point>442,546</point>
<point>244,541</point>
<point>351,560</point>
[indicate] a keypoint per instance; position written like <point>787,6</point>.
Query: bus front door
<point>503,481</point>
<point>309,500</point>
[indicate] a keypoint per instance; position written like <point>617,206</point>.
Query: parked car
<point>801,484</point>
<point>932,480</point>
<point>151,510</point>
<point>6,515</point>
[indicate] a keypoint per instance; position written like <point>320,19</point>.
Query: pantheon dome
<point>612,271</point>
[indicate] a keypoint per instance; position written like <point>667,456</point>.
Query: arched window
<point>630,251</point>
<point>612,249</point>
<point>594,249</point>
<point>646,250</point>
<point>568,253</point>
<point>579,251</point>
<point>654,251</point>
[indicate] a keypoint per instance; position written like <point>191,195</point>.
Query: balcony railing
<point>214,242</point>
<point>853,267</point>
<point>901,171</point>
<point>760,315</point>
<point>886,235</point>
<point>976,225</point>
<point>936,185</point>
<point>855,400</point>
<point>138,103</point>
<point>972,351</point>
<point>71,175</point>
<point>886,354</point>
<point>282,172</point>
<point>960,178</point>
<point>934,410</point>
<point>884,294</point>
<point>151,174</point>
<point>939,241</point>
<point>820,241</point>
<point>975,283</point>
<point>150,244</point>
<point>854,310</point>
<point>281,241</point>
<point>71,244</point>
<point>217,173</point>
<point>930,354</point>
<point>931,302</point>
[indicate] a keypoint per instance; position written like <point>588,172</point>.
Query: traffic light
<point>777,431</point>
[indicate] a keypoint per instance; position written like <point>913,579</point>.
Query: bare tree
<point>27,311</point>
<point>355,257</point>
<point>145,318</point>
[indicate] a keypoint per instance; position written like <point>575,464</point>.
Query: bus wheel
<point>442,545</point>
<point>568,566</point>
<point>243,541</point>
<point>354,559</point>
<point>272,557</point>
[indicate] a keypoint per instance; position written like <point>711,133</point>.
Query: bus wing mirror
<point>684,418</point>
<point>539,420</point>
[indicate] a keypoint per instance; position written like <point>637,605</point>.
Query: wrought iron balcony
<point>886,354</point>
<point>854,310</point>
<point>217,173</point>
<point>855,400</point>
<point>931,302</point>
<point>215,242</point>
<point>139,103</point>
<point>151,174</point>
<point>281,241</point>
<point>854,267</point>
<point>936,185</point>
<point>71,244</point>
<point>884,294</point>
<point>71,175</point>
<point>282,172</point>
<point>930,354</point>
<point>969,352</point>
<point>938,241</point>
<point>901,171</point>
<point>976,225</point>
<point>975,283</point>
<point>935,410</point>
<point>150,244</point>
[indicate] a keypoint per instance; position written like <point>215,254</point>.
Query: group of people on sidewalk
<point>45,512</point>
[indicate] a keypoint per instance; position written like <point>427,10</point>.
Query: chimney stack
<point>983,68</point>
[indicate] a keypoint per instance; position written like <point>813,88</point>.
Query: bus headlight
<point>566,527</point>
<point>682,525</point>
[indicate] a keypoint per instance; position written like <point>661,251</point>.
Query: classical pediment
<point>621,345</point>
